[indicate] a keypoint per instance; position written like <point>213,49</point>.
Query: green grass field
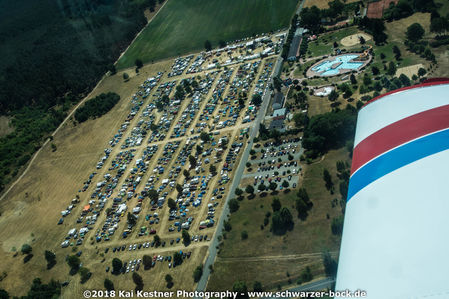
<point>182,26</point>
<point>324,44</point>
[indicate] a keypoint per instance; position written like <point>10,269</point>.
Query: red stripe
<point>398,133</point>
<point>428,82</point>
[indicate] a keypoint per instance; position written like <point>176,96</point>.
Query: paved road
<point>236,181</point>
<point>312,286</point>
<point>238,175</point>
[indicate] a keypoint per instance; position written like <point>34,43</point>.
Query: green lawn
<point>324,44</point>
<point>182,26</point>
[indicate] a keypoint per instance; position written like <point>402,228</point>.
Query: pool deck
<point>311,73</point>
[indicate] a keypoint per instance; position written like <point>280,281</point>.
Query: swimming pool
<point>332,67</point>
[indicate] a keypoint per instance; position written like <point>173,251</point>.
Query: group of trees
<point>415,33</point>
<point>282,219</point>
<point>97,106</point>
<point>197,273</point>
<point>138,281</point>
<point>26,250</point>
<point>311,17</point>
<point>329,130</point>
<point>405,8</point>
<point>49,62</point>
<point>375,27</point>
<point>303,203</point>
<point>50,257</point>
<point>290,35</point>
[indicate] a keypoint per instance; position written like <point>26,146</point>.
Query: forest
<point>53,53</point>
<point>97,106</point>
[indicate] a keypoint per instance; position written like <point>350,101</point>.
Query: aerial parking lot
<point>162,179</point>
<point>274,166</point>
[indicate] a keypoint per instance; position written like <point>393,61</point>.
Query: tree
<point>132,219</point>
<point>171,204</point>
<point>375,70</point>
<point>179,188</point>
<point>39,290</point>
<point>157,240</point>
<point>397,52</point>
<point>256,100</point>
<point>197,273</point>
<point>273,186</point>
<point>116,265</point>
<point>213,169</point>
<point>353,79</point>
<point>415,32</point>
<point>177,258</point>
<point>227,226</point>
<point>337,226</point>
<point>185,237</point>
<point>238,192</point>
<point>108,284</point>
<point>261,187</point>
<point>276,204</point>
<point>222,43</point>
<point>186,173</point>
<point>249,189</point>
<point>285,184</point>
<point>333,96</point>
<point>74,262</point>
<point>421,72</point>
<point>4,294</point>
<point>405,80</point>
<point>85,274</point>
<point>233,205</point>
<point>26,249</point>
<point>327,179</point>
<point>199,149</point>
<point>391,68</point>
<point>138,281</point>
<point>53,147</point>
<point>244,235</point>
<point>362,40</point>
<point>205,136</point>
<point>169,280</point>
<point>207,45</point>
<point>50,257</point>
<point>192,161</point>
<point>125,76</point>
<point>306,275</point>
<point>139,63</point>
<point>300,119</point>
<point>147,261</point>
<point>282,221</point>
<point>330,265</point>
<point>439,25</point>
<point>153,195</point>
<point>257,286</point>
<point>240,287</point>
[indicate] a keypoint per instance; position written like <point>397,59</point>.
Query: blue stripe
<point>397,158</point>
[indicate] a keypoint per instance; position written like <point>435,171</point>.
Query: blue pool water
<point>344,60</point>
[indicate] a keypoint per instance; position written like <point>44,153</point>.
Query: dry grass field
<point>30,212</point>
